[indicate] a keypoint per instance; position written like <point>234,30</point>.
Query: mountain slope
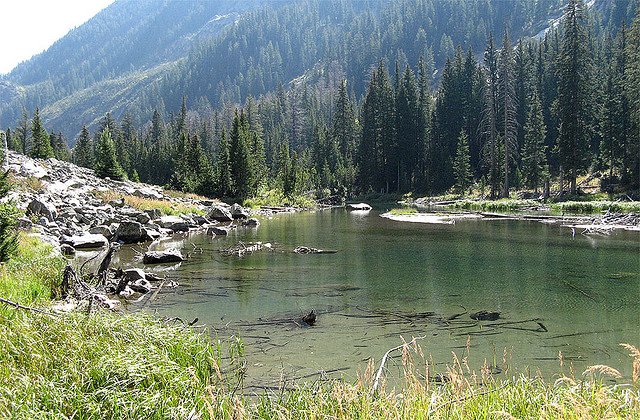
<point>142,55</point>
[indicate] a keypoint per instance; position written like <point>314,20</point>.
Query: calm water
<point>392,278</point>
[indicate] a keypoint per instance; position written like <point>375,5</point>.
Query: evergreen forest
<point>334,100</point>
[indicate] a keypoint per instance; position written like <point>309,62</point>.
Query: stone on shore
<point>87,241</point>
<point>161,257</point>
<point>41,208</point>
<point>220,212</point>
<point>130,232</point>
<point>358,206</point>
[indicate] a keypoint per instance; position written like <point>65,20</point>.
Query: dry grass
<point>30,184</point>
<point>167,207</point>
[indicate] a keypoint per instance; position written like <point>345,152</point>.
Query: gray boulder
<point>24,223</point>
<point>358,206</point>
<point>216,230</point>
<point>239,212</point>
<point>87,241</point>
<point>133,274</point>
<point>130,232</point>
<point>102,230</point>
<point>40,208</point>
<point>253,222</point>
<point>154,213</point>
<point>160,257</point>
<point>66,249</point>
<point>220,213</point>
<point>175,223</point>
<point>117,203</point>
<point>141,286</point>
<point>143,218</point>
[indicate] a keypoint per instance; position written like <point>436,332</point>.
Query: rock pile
<point>60,202</point>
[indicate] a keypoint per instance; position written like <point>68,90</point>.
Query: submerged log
<point>308,250</point>
<point>484,315</point>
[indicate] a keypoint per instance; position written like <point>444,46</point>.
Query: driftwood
<point>376,382</point>
<point>27,308</point>
<point>307,250</point>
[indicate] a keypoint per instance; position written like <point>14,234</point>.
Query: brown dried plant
<point>602,369</point>
<point>635,353</point>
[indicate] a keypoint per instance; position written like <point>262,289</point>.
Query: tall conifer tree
<point>574,92</point>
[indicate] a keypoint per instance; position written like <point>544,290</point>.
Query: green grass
<point>403,211</point>
<point>597,206</point>
<point>276,198</point>
<point>506,204</point>
<point>31,275</point>
<point>103,365</point>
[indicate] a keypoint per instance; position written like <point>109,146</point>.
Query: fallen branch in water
<point>376,382</point>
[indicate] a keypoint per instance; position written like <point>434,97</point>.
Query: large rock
<point>175,223</point>
<point>130,232</point>
<point>253,222</point>
<point>102,230</point>
<point>358,206</point>
<point>239,212</point>
<point>219,212</point>
<point>41,208</point>
<point>160,257</point>
<point>216,230</point>
<point>133,274</point>
<point>154,213</point>
<point>87,241</point>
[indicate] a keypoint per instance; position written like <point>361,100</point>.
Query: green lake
<point>391,279</point>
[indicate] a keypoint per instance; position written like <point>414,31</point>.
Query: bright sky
<point>28,27</point>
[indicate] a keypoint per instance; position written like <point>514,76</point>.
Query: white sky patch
<point>28,27</point>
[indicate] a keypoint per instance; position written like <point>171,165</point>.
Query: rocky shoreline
<point>62,205</point>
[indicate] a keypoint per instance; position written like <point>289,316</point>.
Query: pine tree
<point>507,98</point>
<point>8,212</point>
<point>425,104</point>
<point>83,151</point>
<point>242,174</point>
<point>632,94</point>
<point>59,146</point>
<point>408,118</point>
<point>574,93</point>
<point>490,115</point>
<point>41,143</point>
<point>461,165</point>
<point>533,152</point>
<point>377,168</point>
<point>106,161</point>
<point>223,170</point>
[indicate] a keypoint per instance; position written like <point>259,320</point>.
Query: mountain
<point>138,56</point>
<point>126,44</point>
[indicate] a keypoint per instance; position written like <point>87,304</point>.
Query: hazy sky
<point>28,27</point>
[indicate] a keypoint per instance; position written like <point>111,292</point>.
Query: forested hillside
<point>325,99</point>
<point>138,56</point>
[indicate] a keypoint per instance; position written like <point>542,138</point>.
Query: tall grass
<point>276,198</point>
<point>102,365</point>
<point>494,205</point>
<point>31,275</point>
<point>165,206</point>
<point>597,206</point>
